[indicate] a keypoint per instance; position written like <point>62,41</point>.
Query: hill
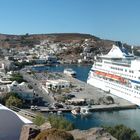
<point>76,45</point>
<point>30,40</point>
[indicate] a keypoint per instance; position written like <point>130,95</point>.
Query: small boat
<point>70,72</point>
<point>76,111</point>
<point>85,111</point>
<point>59,113</point>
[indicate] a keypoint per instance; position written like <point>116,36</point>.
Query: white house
<point>21,89</point>
<point>2,66</point>
<point>57,84</point>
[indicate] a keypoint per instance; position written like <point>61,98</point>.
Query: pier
<point>93,108</point>
<point>86,91</point>
<point>80,90</point>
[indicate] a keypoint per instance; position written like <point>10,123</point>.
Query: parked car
<point>69,96</point>
<point>34,107</point>
<point>58,105</point>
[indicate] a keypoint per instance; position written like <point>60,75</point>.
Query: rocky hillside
<point>30,40</point>
<point>67,46</point>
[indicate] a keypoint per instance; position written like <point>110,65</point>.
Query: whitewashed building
<point>57,84</point>
<point>21,89</point>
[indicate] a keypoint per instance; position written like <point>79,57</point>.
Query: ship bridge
<point>118,53</point>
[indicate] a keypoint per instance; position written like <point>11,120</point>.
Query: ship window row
<point>131,71</point>
<point>137,87</point>
<point>98,65</point>
<point>120,69</point>
<point>132,76</point>
<point>126,92</point>
<point>125,89</point>
<point>118,64</point>
<point>115,68</point>
<point>107,62</point>
<point>121,91</point>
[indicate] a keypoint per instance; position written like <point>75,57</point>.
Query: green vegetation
<point>60,122</point>
<point>13,101</point>
<point>17,77</point>
<point>122,132</point>
<point>54,134</point>
<point>24,63</point>
<point>39,119</point>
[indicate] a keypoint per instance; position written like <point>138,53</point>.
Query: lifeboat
<point>111,76</point>
<point>100,73</point>
<point>118,78</point>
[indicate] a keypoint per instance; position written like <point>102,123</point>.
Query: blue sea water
<point>130,118</point>
<point>81,70</point>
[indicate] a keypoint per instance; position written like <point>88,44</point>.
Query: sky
<point>107,19</point>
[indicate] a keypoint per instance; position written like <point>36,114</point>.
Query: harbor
<point>82,90</point>
<point>70,70</point>
<point>89,92</point>
<point>121,111</point>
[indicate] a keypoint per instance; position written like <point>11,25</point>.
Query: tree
<point>6,96</point>
<point>17,77</point>
<point>13,101</point>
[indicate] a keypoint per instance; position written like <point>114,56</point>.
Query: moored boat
<point>76,111</point>
<point>84,111</point>
<point>70,72</point>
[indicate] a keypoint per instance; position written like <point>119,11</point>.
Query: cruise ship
<point>118,73</point>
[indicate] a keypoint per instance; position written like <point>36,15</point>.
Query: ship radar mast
<point>132,49</point>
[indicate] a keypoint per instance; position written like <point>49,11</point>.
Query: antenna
<point>132,49</point>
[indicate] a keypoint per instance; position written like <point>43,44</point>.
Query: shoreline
<point>95,109</point>
<point>45,65</point>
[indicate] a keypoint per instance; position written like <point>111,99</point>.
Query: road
<point>36,86</point>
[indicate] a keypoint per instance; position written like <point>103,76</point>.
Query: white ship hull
<point>117,72</point>
<point>115,89</point>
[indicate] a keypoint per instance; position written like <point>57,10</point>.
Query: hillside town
<point>48,52</point>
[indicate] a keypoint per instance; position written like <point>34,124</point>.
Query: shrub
<point>60,122</point>
<point>17,77</point>
<point>122,132</point>
<point>6,96</point>
<point>39,119</point>
<point>54,134</point>
<point>14,101</point>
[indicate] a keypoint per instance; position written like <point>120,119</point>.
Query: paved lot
<point>90,92</point>
<point>80,90</point>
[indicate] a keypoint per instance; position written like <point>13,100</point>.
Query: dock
<point>80,90</point>
<point>86,91</point>
<point>94,108</point>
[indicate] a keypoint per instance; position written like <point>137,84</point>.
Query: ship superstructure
<point>118,73</point>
